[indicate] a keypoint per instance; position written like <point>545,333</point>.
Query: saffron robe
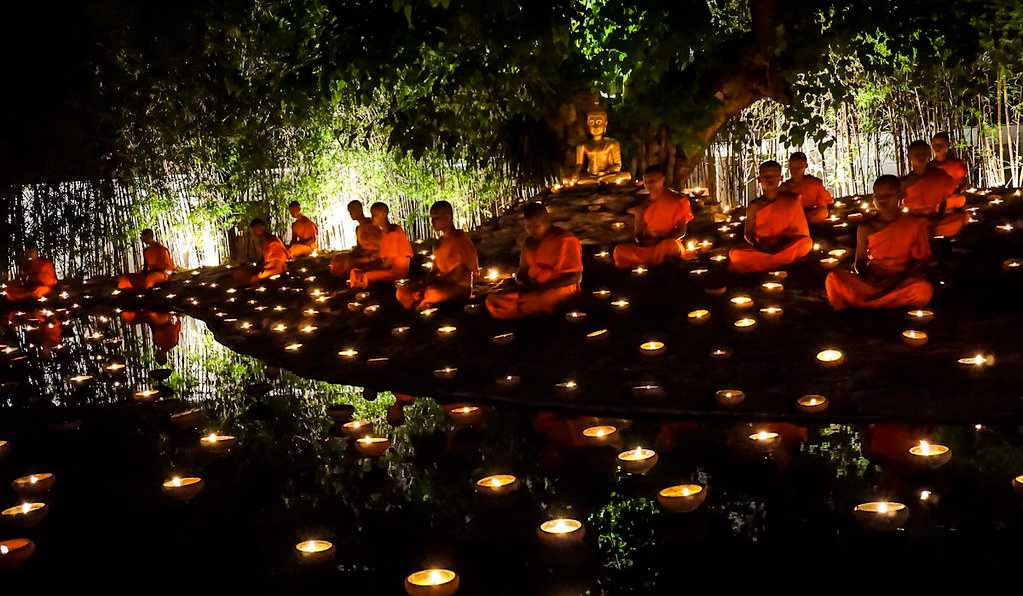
<point>156,269</point>
<point>395,254</point>
<point>814,197</point>
<point>454,250</point>
<point>660,217</point>
<point>303,237</point>
<point>781,228</point>
<point>556,254</point>
<point>37,280</point>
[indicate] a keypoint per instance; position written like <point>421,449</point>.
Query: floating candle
<point>371,310</point>
<point>830,357</point>
<point>698,316</point>
<point>599,434</point>
<point>602,256</point>
<point>772,287</point>
<point>357,428</point>
<point>920,316</point>
<point>838,253</point>
<point>34,484</point>
<point>280,327</point>
<point>638,460</point>
<point>682,498</point>
<point>4,446</point>
<point>312,552</point>
<point>493,274</point>
<point>182,488</point>
<point>497,485</point>
<point>741,301</point>
<point>432,582</point>
<point>561,532</point>
<point>80,379</point>
<point>812,404</point>
<point>114,367</point>
<point>881,515</point>
<point>217,443</point>
<point>308,328</point>
<point>567,386</point>
<point>914,337</point>
<point>25,515</point>
<point>426,313</point>
<point>729,397</point>
<point>765,440</point>
<point>465,415</point>
<point>745,324</point>
<point>719,258</point>
<point>14,553</point>
<point>930,454</point>
<point>652,348</point>
<point>618,225</point>
<point>372,446</point>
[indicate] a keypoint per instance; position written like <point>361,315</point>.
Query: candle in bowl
<point>772,287</point>
<point>34,484</point>
<point>357,428</point>
<point>186,418</point>
<point>561,532</point>
<point>575,315</point>
<point>464,414</point>
<point>497,485</point>
<point>778,275</point>
<point>182,488</point>
<point>729,397</point>
<point>682,498</point>
<point>446,373</point>
<point>146,395</point>
<point>699,272</point>
<point>881,515</point>
<point>741,301</point>
<point>400,330</point>
<point>914,337</point>
<point>371,310</point>
<point>508,381</point>
<point>372,446</point>
<point>4,446</point>
<point>602,294</point>
<point>930,454</point>
<point>25,515</point>
<point>830,357</point>
<point>1012,264</point>
<point>217,443</point>
<point>432,582</point>
<point>502,339</point>
<point>720,352</point>
<point>618,226</point>
<point>599,435</point>
<point>838,253</point>
<point>745,324</point>
<point>640,271</point>
<point>977,360</point>
<point>348,354</point>
<point>446,330</point>
<point>14,553</point>
<point>1017,484</point>
<point>293,347</point>
<point>829,262</point>
<point>772,312</point>
<point>312,552</point>
<point>638,460</point>
<point>812,404</point>
<point>765,440</point>
<point>920,316</point>
<point>620,305</point>
<point>698,316</point>
<point>652,347</point>
<point>80,379</point>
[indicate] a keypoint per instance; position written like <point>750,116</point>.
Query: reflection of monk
<point>50,330</point>
<point>660,225</point>
<point>776,227</point>
<point>890,250</point>
<point>367,243</point>
<point>929,192</point>
<point>889,442</point>
<point>165,328</point>
<point>36,277</point>
<point>157,265</point>
<point>811,191</point>
<point>395,253</point>
<point>274,256</point>
<point>303,233</point>
<point>454,264</point>
<point>550,270</point>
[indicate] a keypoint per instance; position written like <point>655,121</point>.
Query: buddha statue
<point>602,156</point>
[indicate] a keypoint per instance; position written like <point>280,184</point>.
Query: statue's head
<point>596,123</point>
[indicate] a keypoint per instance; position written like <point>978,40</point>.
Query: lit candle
<point>446,373</point>
<point>493,274</point>
<point>561,532</point>
<point>357,428</point>
<point>620,304</point>
<point>146,395</point>
<point>599,434</point>
<point>920,316</point>
<point>280,327</point>
<point>647,390</point>
<point>638,460</point>
<point>772,287</point>
<point>720,352</point>
<point>446,330</point>
<point>929,454</point>
<point>812,404</point>
<point>838,253</point>
<point>602,294</point>
<point>575,315</point>
<point>508,380</point>
<point>348,354</point>
<point>745,324</point>
<point>618,226</point>
<point>772,312</point>
<point>432,582</point>
<point>914,337</point>
<point>293,347</point>
<point>80,379</point>
<point>465,415</point>
<point>426,313</point>
<point>34,484</point>
<point>371,310</point>
<point>741,301</point>
<point>719,258</point>
<point>881,515</point>
<point>372,446</point>
<point>567,386</point>
<point>311,552</point>
<point>682,498</point>
<point>503,339</point>
<point>829,263</point>
<point>114,367</point>
<point>729,397</point>
<point>602,256</point>
<point>14,552</point>
<point>778,275</point>
<point>830,357</point>
<point>977,360</point>
<point>497,485</point>
<point>471,308</point>
<point>1017,484</point>
<point>308,328</point>
<point>698,316</point>
<point>1012,264</point>
<point>4,446</point>
<point>400,330</point>
<point>640,271</point>
<point>765,440</point>
<point>182,488</point>
<point>652,348</point>
<point>699,272</point>
<point>217,443</point>
<point>25,515</point>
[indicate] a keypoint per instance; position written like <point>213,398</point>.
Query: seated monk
<point>926,192</point>
<point>274,256</point>
<point>157,265</point>
<point>454,264</point>
<point>550,270</point>
<point>811,191</point>
<point>956,168</point>
<point>890,250</point>
<point>776,227</point>
<point>36,277</point>
<point>660,225</point>
<point>367,244</point>
<point>303,233</point>
<point>395,253</point>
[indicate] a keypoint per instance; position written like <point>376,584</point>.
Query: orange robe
<point>813,195</point>
<point>303,237</point>
<point>37,280</point>
<point>925,195</point>
<point>453,250</point>
<point>780,227</point>
<point>275,261</point>
<point>661,217</point>
<point>367,250</point>
<point>156,268</point>
<point>395,254</point>
<point>556,254</point>
<point>890,251</point>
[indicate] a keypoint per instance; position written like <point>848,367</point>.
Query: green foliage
<point>625,535</point>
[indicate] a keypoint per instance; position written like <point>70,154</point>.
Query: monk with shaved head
<point>929,192</point>
<point>303,233</point>
<point>393,259</point>
<point>36,277</point>
<point>366,251</point>
<point>891,249</point>
<point>274,256</point>
<point>157,265</point>
<point>660,222</point>
<point>776,228</point>
<point>814,197</point>
<point>455,264</point>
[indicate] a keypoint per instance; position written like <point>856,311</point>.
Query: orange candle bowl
<point>25,515</point>
<point>14,553</point>
<point>682,498</point>
<point>561,532</point>
<point>432,582</point>
<point>883,516</point>
<point>34,485</point>
<point>314,552</point>
<point>182,488</point>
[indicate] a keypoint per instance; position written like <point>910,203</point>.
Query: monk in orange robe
<point>394,257</point>
<point>303,233</point>
<point>890,251</point>
<point>927,191</point>
<point>274,256</point>
<point>776,227</point>
<point>455,264</point>
<point>36,277</point>
<point>956,168</point>
<point>366,252</point>
<point>157,265</point>
<point>660,226</point>
<point>811,191</point>
<point>550,270</point>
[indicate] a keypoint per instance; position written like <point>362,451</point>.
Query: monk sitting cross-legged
<point>395,253</point>
<point>274,256</point>
<point>956,168</point>
<point>660,225</point>
<point>811,191</point>
<point>36,277</point>
<point>776,227</point>
<point>367,244</point>
<point>454,265</point>
<point>157,266</point>
<point>550,270</point>
<point>303,233</point>
<point>890,250</point>
<point>927,190</point>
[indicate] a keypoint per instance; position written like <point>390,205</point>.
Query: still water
<point>779,506</point>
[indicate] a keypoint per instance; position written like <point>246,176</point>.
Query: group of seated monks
<point>891,248</point>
